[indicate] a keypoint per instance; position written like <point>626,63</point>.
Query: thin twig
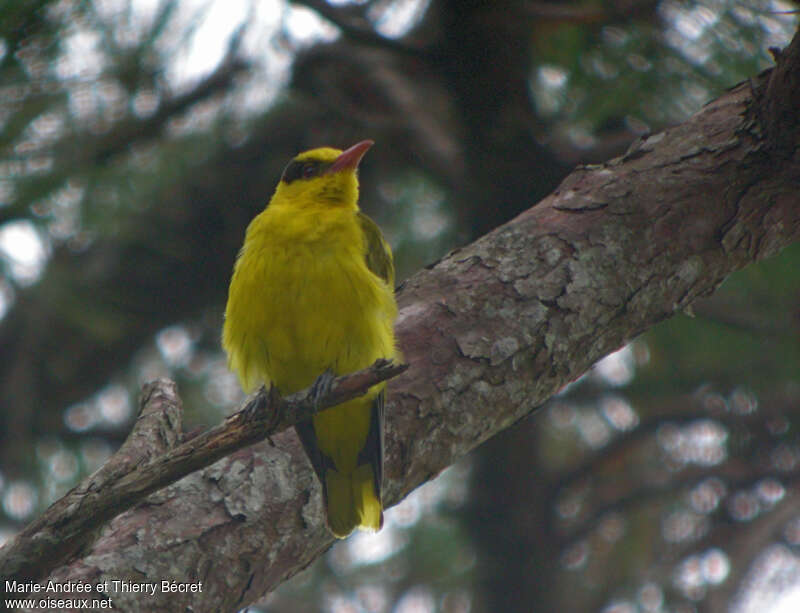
<point>358,28</point>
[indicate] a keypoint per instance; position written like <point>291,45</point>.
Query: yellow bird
<point>313,291</point>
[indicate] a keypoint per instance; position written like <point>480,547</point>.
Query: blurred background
<point>139,137</point>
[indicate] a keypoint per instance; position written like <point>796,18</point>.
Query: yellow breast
<point>302,300</point>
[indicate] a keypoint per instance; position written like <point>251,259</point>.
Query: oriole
<point>313,290</point>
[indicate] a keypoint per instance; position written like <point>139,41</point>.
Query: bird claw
<point>256,405</point>
<point>322,387</point>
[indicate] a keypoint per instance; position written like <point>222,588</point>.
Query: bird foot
<point>257,404</point>
<point>322,387</point>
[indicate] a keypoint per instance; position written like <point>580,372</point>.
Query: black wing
<point>320,463</point>
<point>372,453</point>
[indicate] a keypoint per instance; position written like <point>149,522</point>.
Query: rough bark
<point>491,331</point>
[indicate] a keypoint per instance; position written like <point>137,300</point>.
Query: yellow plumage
<point>312,290</point>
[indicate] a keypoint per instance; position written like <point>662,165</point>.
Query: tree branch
<point>783,99</point>
<point>353,24</point>
<point>491,331</point>
<point>153,457</point>
<point>77,150</point>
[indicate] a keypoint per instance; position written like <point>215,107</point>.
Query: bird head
<point>323,176</point>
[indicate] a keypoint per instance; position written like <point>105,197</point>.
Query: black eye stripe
<point>303,169</point>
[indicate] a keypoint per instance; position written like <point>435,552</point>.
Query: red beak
<point>349,159</point>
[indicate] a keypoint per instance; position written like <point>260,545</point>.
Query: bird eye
<point>309,170</point>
